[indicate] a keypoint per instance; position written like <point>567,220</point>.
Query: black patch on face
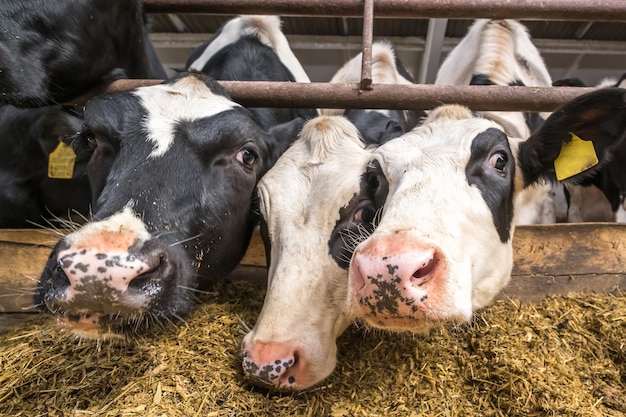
<point>495,183</point>
<point>358,218</point>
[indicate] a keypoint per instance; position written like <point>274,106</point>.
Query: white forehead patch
<point>168,104</point>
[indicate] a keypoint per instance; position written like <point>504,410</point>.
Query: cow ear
<point>578,138</point>
<point>285,134</point>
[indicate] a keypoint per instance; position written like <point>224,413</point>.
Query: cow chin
<point>87,326</point>
<point>414,324</point>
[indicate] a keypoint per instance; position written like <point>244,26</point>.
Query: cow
<point>173,172</point>
<point>221,58</point>
<point>292,345</point>
<point>443,246</point>
<point>42,167</point>
<point>55,51</point>
<point>311,213</point>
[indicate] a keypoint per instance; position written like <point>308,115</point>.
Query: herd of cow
<point>399,219</point>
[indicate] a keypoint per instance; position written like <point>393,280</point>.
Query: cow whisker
<point>195,290</point>
<point>186,240</point>
<point>243,324</point>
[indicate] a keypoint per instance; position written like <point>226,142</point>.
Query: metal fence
<point>419,96</point>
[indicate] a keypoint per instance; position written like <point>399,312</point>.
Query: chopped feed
<point>563,356</point>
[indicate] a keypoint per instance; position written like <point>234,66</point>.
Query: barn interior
<point>554,345</point>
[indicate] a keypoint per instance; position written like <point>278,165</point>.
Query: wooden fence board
<point>549,260</point>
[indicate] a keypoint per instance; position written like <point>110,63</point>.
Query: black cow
<point>174,170</point>
<point>42,166</point>
<point>54,51</point>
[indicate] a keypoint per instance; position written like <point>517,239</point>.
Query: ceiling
<point>590,51</point>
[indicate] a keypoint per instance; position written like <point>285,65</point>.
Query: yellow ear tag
<point>576,156</point>
<point>61,162</point>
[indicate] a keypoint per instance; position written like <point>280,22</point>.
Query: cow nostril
<point>151,275</point>
<point>419,276</point>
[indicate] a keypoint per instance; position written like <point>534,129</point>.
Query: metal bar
<point>583,10</point>
<point>368,35</point>
<point>384,96</point>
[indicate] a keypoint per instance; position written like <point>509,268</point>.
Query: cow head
<point>443,246</point>
<point>173,170</point>
<point>313,208</point>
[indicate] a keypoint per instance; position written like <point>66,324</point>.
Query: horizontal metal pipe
<point>584,10</point>
<point>385,96</point>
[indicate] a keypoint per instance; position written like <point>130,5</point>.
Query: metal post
<point>368,34</point>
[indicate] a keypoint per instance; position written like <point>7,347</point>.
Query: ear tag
<point>61,162</point>
<point>576,156</point>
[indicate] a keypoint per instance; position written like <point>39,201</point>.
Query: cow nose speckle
<point>273,364</point>
<point>393,276</point>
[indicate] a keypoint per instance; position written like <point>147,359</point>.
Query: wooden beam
<point>549,260</point>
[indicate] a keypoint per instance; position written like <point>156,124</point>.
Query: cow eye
<point>365,213</point>
<point>498,160</point>
<point>246,157</point>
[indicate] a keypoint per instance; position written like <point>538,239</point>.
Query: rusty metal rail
<point>367,95</point>
<point>383,96</point>
<point>584,10</point>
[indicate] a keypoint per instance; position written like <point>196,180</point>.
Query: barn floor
<point>562,356</point>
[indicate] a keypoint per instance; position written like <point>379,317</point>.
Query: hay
<point>564,356</point>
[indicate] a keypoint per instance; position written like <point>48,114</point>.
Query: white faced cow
<point>173,173</point>
<point>293,343</point>
<point>312,210</point>
<point>443,246</point>
<point>54,51</point>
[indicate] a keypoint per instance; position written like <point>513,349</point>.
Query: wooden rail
<point>549,259</point>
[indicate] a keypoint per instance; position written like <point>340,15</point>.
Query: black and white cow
<point>221,58</point>
<point>173,172</point>
<point>443,246</point>
<point>312,209</point>
<point>306,224</point>
<point>38,188</point>
<point>54,51</point>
